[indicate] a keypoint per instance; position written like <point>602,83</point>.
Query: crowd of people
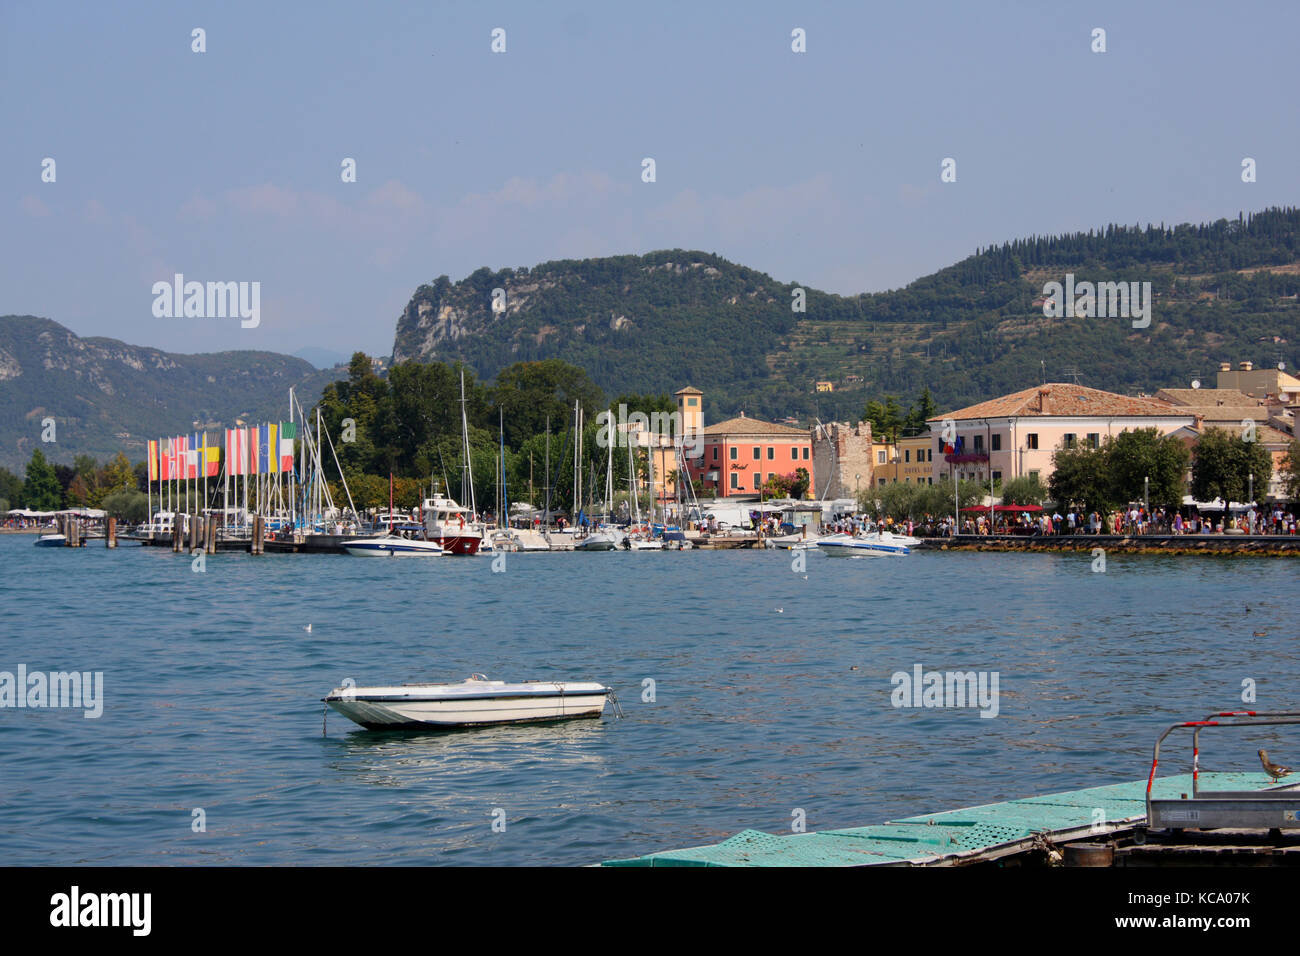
<point>1134,520</point>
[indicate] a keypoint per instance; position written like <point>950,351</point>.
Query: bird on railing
<point>1274,770</point>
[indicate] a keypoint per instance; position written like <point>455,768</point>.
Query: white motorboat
<point>597,541</point>
<point>475,701</point>
<point>392,545</point>
<point>882,544</point>
<point>452,526</point>
<point>51,541</point>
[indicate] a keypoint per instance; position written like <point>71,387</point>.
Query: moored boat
<point>871,545</point>
<point>51,541</point>
<point>391,545</point>
<point>475,701</point>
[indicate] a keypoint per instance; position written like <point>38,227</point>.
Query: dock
<point>1097,826</point>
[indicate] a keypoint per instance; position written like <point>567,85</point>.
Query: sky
<point>819,167</point>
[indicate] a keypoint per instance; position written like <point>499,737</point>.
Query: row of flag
<point>255,450</point>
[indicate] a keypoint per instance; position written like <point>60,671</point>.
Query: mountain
<point>1222,291</point>
<point>106,396</point>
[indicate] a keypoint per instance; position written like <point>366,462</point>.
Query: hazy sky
<point>820,167</point>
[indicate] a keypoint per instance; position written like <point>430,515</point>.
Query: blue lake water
<point>212,688</point>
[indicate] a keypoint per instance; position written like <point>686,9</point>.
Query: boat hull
<point>392,547</point>
<point>450,706</point>
<point>861,548</point>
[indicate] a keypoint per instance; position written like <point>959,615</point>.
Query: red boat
<point>450,525</point>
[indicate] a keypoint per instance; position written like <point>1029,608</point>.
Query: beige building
<point>1015,435</point>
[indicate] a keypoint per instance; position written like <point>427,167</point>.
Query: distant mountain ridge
<point>107,396</point>
<point>1222,291</point>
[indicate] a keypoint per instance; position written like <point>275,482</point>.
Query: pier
<point>1097,826</point>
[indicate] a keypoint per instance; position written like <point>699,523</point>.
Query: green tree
<point>1080,477</point>
<point>1223,464</point>
<point>41,491</point>
<point>1134,456</point>
<point>1025,490</point>
<point>529,392</point>
<point>129,504</point>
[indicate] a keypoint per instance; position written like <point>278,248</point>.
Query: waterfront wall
<point>1118,543</point>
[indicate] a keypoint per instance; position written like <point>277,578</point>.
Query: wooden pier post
<point>196,532</point>
<point>110,533</point>
<point>178,533</point>
<point>259,535</point>
<point>210,538</point>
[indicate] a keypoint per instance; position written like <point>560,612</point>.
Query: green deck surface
<point>953,835</point>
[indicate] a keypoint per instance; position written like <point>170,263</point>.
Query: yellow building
<point>824,386</point>
<point>907,461</point>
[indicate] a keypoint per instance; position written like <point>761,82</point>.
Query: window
<point>692,402</point>
<point>1033,475</point>
<point>805,453</point>
<point>794,453</point>
<point>880,458</point>
<point>735,479</point>
<point>997,476</point>
<point>907,455</point>
<point>758,481</point>
<point>734,449</point>
<point>1094,440</point>
<point>1031,441</point>
<point>715,452</point>
<point>979,443</point>
<point>757,453</point>
<point>1069,440</point>
<point>771,452</point>
<point>997,441</point>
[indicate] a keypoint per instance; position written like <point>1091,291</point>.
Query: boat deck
<point>956,837</point>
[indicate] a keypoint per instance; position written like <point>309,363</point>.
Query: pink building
<point>1015,435</point>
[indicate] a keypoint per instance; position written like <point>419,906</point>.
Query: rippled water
<point>213,686</point>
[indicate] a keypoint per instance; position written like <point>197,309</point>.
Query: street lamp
<point>1146,493</point>
<point>856,479</point>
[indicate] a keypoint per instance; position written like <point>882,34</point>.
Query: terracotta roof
<point>754,426</point>
<point>688,390</point>
<point>1063,399</point>
<point>1206,397</point>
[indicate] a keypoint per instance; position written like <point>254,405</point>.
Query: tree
<point>1080,477</point>
<point>528,392</point>
<point>886,419</point>
<point>129,504</point>
<point>41,491</point>
<point>1025,490</point>
<point>1223,465</point>
<point>1134,456</point>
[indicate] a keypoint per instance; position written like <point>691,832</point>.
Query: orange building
<point>741,454</point>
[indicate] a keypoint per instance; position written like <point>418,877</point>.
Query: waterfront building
<point>741,453</point>
<point>1015,435</point>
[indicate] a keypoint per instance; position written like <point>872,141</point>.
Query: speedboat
<point>473,702</point>
<point>597,541</point>
<point>51,541</point>
<point>392,545</point>
<point>883,544</point>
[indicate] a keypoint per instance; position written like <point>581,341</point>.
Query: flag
<point>250,449</point>
<point>193,445</point>
<point>153,460</point>
<point>232,454</point>
<point>270,449</point>
<point>178,456</point>
<point>211,465</point>
<point>288,432</point>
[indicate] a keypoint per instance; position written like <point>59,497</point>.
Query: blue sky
<point>821,168</point>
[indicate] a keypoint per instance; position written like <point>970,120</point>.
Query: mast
<point>548,472</point>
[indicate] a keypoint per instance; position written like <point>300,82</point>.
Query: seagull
<point>1272,769</point>
<point>307,628</point>
<point>780,610</point>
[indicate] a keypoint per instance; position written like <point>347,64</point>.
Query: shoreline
<point>1235,544</point>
